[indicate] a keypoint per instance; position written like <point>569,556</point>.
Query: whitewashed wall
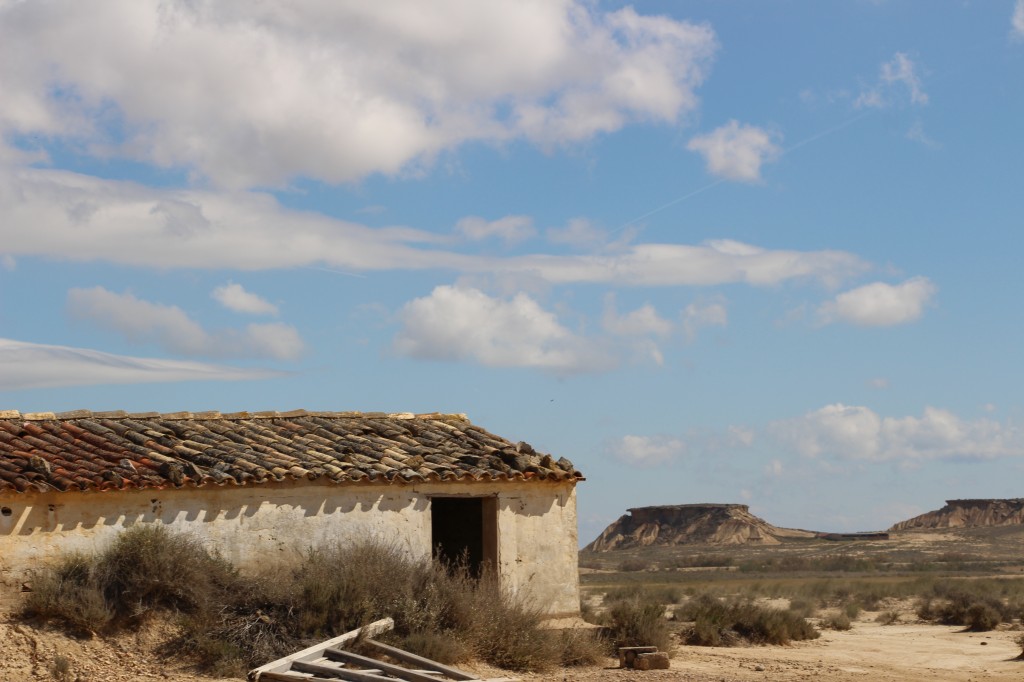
<point>259,525</point>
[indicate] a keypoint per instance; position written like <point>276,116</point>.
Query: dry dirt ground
<point>868,652</point>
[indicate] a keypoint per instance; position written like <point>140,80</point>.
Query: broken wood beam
<point>282,665</point>
<point>366,662</point>
<point>337,672</point>
<point>405,656</point>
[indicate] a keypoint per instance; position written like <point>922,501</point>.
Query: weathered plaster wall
<point>258,525</point>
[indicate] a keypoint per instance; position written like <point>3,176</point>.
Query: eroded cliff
<point>681,524</point>
<point>969,514</point>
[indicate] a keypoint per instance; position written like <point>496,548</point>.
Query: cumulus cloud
<point>647,451</point>
<point>510,229</point>
<point>456,323</point>
<point>171,328</point>
<point>336,91</point>
<point>857,432</point>
<point>234,297</point>
<point>25,365</point>
<point>68,216</point>
<point>736,152</point>
<point>880,304</point>
<point>1017,21</point>
<point>897,77</point>
<point>697,316</point>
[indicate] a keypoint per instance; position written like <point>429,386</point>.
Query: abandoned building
<point>263,487</point>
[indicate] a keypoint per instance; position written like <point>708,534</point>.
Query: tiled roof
<point>114,450</point>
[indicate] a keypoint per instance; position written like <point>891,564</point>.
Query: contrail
<point>798,145</point>
<point>336,272</point>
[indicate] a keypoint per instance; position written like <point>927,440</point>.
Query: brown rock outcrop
<point>969,514</point>
<point>684,524</point>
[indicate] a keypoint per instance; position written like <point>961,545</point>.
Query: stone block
<point>628,654</point>
<point>656,660</point>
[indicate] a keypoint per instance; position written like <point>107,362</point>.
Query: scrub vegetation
<point>230,622</point>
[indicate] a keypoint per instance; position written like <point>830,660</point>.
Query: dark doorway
<point>465,528</point>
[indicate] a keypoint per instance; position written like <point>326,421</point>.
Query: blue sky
<point>760,252</point>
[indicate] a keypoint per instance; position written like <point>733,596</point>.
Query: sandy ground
<point>894,653</point>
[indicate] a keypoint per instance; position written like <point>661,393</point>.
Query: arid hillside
<point>682,524</point>
<point>969,514</point>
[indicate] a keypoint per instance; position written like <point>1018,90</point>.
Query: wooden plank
<point>402,655</point>
<point>282,665</point>
<point>286,677</point>
<point>334,674</point>
<point>395,670</point>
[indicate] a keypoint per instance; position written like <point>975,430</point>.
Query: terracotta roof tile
<point>83,450</point>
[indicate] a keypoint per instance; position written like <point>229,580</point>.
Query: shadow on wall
<point>69,512</point>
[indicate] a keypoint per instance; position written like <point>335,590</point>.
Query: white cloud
<point>454,323</point>
<point>647,451</point>
<point>879,383</point>
<point>852,432</point>
<point>736,152</point>
<point>918,134</point>
<point>898,75</point>
<point>67,216</point>
<point>171,328</point>
<point>636,329</point>
<point>26,365</point>
<point>644,321</point>
<point>698,316</point>
<point>510,229</point>
<point>579,233</point>
<point>1017,21</point>
<point>336,91</point>
<point>880,304</point>
<point>234,297</point>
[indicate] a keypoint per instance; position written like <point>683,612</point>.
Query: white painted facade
<point>253,526</point>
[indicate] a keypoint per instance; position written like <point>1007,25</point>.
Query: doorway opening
<point>465,529</point>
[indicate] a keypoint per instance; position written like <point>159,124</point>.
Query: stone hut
<point>263,487</point>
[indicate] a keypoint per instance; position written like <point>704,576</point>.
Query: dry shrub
<point>805,608</point>
<point>717,623</point>
<point>146,567</point>
<point>150,567</point>
<point>891,617</point>
<point>637,621</point>
<point>663,594</point>
<point>231,622</point>
<point>838,621</point>
<point>582,646</point>
<point>982,617</point>
<point>1020,643</point>
<point>68,593</point>
<point>60,668</point>
<point>978,605</point>
<point>852,609</point>
<point>634,564</point>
